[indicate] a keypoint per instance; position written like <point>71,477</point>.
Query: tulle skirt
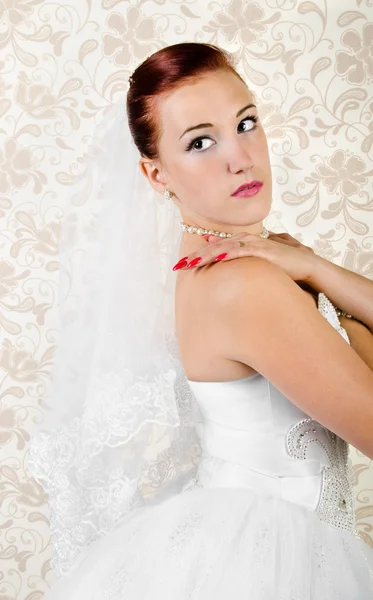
<point>222,543</point>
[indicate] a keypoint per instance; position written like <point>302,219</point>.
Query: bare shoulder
<point>252,276</point>
<point>253,289</point>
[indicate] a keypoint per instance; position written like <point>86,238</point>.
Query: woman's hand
<point>281,249</point>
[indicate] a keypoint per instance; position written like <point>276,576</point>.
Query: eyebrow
<point>204,125</point>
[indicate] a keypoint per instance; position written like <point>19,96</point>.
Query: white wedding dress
<point>270,515</point>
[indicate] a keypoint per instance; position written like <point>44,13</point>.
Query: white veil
<point>120,430</point>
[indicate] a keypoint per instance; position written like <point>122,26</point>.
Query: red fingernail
<point>180,261</point>
<point>194,262</point>
<point>180,265</point>
<point>221,256</point>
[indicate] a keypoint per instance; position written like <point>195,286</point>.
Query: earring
<point>167,194</point>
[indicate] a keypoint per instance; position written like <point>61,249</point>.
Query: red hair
<point>161,73</point>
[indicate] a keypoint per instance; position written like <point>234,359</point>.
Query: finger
<point>220,245</point>
<point>210,238</point>
<point>284,238</point>
<point>225,252</point>
<point>227,246</point>
<point>283,235</point>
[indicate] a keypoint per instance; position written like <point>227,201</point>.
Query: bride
<point>197,445</point>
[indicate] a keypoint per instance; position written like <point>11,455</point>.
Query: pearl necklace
<point>222,234</point>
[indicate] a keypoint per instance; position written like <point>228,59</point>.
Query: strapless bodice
<point>252,436</point>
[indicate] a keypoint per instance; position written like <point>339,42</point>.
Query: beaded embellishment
<point>336,502</point>
<point>328,311</point>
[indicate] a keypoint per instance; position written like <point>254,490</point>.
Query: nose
<point>239,157</point>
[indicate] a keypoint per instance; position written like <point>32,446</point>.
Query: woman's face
<point>225,149</point>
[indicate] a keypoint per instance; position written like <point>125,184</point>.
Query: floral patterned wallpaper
<point>310,64</point>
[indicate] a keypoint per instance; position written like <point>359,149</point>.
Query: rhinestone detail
<point>336,502</point>
<point>328,311</point>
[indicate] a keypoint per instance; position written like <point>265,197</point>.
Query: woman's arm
<point>347,290</point>
<point>267,322</point>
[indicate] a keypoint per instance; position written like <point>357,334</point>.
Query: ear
<point>152,171</point>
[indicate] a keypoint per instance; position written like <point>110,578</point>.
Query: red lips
<point>249,184</point>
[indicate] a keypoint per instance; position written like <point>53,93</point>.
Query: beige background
<point>310,65</point>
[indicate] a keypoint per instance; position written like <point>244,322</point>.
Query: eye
<point>252,118</point>
<point>195,141</point>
